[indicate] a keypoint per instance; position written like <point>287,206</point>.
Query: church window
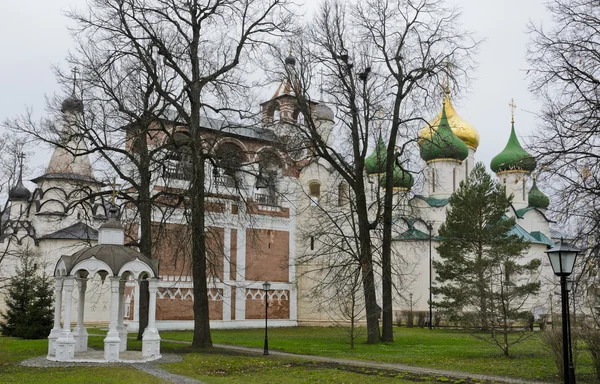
<point>276,115</point>
<point>342,194</point>
<point>432,180</point>
<point>524,189</point>
<point>269,165</point>
<point>466,169</point>
<point>312,243</point>
<point>229,159</point>
<point>453,179</point>
<point>178,161</point>
<point>314,191</point>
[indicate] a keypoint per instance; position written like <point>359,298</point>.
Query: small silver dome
<point>72,104</point>
<point>19,192</point>
<point>323,112</point>
<point>290,60</point>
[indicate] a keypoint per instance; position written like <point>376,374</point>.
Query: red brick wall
<point>279,304</point>
<point>267,255</point>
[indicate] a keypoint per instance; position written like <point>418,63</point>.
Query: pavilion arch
<point>231,140</point>
<point>116,263</point>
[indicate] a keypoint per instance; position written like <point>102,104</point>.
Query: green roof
<point>542,238</point>
<point>432,201</point>
<point>375,162</point>
<point>443,143</point>
<point>513,157</point>
<point>523,234</point>
<point>400,179</point>
<point>537,198</point>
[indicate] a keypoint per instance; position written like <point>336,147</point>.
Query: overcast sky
<point>35,37</point>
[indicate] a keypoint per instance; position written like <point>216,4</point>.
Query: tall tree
<point>29,300</point>
<point>197,47</point>
<point>481,274</point>
<point>565,76</point>
<point>376,56</point>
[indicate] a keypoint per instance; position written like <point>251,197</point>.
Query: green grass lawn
<point>213,366</point>
<point>442,349</point>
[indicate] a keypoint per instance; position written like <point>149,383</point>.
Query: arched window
<point>314,191</point>
<point>178,161</point>
<point>229,158</point>
<point>269,165</point>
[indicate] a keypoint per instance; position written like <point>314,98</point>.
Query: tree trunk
<point>202,337</point>
<point>145,211</point>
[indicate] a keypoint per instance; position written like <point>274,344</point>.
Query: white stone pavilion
<point>111,260</point>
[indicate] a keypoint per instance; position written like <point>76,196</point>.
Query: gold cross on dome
<point>512,106</point>
<point>114,191</point>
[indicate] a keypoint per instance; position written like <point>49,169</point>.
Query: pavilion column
<point>81,335</point>
<point>56,330</point>
<point>112,342</point>
<point>120,327</point>
<point>151,338</point>
<point>65,345</point>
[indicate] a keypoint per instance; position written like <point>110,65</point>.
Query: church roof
<point>443,143</point>
<point>375,162</point>
<point>401,179</point>
<point>77,231</point>
<point>413,234</point>
<point>513,156</point>
<point>537,198</point>
<point>208,123</point>
<point>115,256</point>
<point>67,176</point>
<point>461,128</point>
<point>523,234</point>
<point>432,201</point>
<point>542,238</point>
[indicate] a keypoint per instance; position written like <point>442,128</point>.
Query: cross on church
<point>114,191</point>
<point>512,106</point>
<point>74,71</point>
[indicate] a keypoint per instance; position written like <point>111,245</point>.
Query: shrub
<point>552,339</point>
<point>591,337</point>
<point>29,301</point>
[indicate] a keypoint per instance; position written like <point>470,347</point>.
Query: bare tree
<point>565,75</point>
<point>197,47</point>
<point>387,56</point>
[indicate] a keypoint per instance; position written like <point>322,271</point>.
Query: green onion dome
<point>401,179</point>
<point>537,198</point>
<point>375,162</point>
<point>443,143</point>
<point>513,157</point>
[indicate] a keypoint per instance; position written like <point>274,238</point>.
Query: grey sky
<point>35,37</point>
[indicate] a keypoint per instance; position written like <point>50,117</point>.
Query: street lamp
<point>562,259</point>
<point>430,228</point>
<point>266,287</point>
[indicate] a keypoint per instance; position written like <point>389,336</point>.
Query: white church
<point>261,240</point>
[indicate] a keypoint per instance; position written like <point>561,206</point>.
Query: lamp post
<point>266,287</point>
<point>410,314</point>
<point>562,259</point>
<point>569,287</point>
<point>430,228</point>
<point>551,313</point>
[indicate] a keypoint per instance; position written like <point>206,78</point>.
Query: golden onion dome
<point>461,128</point>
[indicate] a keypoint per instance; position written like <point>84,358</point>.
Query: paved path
<point>371,364</point>
<point>153,370</point>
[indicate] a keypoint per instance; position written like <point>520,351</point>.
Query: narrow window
<point>314,190</point>
<point>312,243</point>
<point>342,194</point>
<point>432,180</point>
<point>523,189</point>
<point>466,169</point>
<point>453,179</point>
